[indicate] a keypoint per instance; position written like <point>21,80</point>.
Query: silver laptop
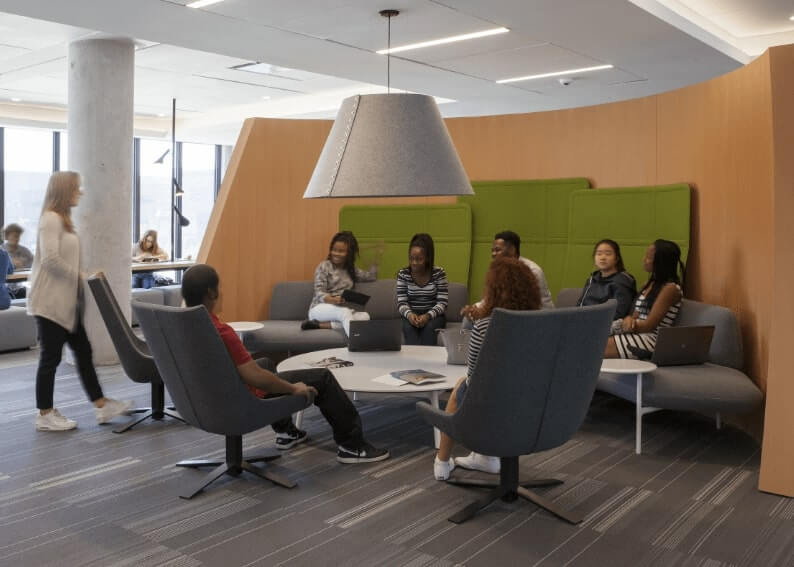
<point>682,345</point>
<point>376,334</point>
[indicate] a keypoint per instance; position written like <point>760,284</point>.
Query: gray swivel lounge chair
<point>133,353</point>
<point>530,392</point>
<point>207,389</point>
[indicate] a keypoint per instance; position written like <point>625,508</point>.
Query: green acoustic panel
<point>632,216</point>
<point>394,225</point>
<point>535,209</point>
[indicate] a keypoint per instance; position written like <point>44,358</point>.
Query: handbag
<point>457,345</point>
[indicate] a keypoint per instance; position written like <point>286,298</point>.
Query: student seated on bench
<point>200,286</point>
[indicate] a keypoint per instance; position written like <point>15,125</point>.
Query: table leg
<point>638,418</point>
<point>436,432</point>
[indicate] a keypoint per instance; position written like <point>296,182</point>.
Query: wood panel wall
<point>720,136</point>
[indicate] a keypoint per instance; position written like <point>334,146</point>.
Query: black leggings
<point>52,337</point>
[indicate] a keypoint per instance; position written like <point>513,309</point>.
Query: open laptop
<point>377,334</point>
<point>680,345</point>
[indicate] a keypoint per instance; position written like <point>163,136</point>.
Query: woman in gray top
<point>333,276</point>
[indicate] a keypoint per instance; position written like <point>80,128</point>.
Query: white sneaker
<point>442,469</point>
<point>54,421</point>
<point>476,462</point>
<point>111,409</point>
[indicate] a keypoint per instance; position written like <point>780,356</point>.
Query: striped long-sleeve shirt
<point>475,343</point>
<point>430,298</point>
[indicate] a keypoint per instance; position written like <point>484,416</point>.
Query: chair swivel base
<point>149,414</point>
<point>234,465</point>
<point>508,488</point>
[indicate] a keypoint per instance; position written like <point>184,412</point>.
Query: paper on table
<point>389,380</point>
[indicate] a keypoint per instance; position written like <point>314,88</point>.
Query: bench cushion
<point>703,387</point>
<point>17,329</point>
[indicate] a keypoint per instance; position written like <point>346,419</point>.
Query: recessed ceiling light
<point>443,40</point>
<point>556,73</point>
<point>16,99</point>
<point>265,98</point>
<point>791,18</point>
<point>160,114</point>
<point>202,3</point>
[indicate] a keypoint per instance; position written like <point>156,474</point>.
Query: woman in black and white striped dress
<point>657,305</point>
<point>422,293</point>
<point>509,284</point>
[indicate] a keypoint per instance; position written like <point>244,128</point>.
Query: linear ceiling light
<point>556,73</point>
<point>202,3</point>
<point>443,40</point>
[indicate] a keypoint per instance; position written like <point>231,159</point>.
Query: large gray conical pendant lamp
<point>388,145</point>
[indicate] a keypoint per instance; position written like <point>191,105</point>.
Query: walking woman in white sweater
<point>57,301</point>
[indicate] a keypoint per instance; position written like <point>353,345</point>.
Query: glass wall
<point>198,183</point>
<point>27,160</point>
<point>156,191</point>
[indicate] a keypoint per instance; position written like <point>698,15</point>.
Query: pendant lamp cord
<point>388,58</point>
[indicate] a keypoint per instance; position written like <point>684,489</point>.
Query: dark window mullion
<point>218,172</point>
<point>56,151</point>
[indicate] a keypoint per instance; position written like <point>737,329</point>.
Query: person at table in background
<point>6,268</point>
<point>657,305</point>
<point>508,244</point>
<point>201,286</point>
<point>21,257</point>
<point>509,284</point>
<point>610,280</point>
<point>57,301</point>
<point>422,293</point>
<point>147,250</point>
<point>333,276</point>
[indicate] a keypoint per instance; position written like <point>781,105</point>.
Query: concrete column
<point>100,129</point>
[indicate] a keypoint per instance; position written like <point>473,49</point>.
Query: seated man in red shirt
<point>200,286</point>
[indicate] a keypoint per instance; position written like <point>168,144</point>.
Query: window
<point>198,183</point>
<point>63,153</point>
<point>27,168</point>
<point>156,191</point>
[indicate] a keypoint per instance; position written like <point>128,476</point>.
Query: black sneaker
<point>310,324</point>
<point>288,439</point>
<point>365,453</point>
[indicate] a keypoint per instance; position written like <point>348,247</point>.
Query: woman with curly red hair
<point>509,284</point>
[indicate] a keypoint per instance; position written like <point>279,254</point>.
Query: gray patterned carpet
<point>91,497</point>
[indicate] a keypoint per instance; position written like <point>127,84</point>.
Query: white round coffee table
<point>637,367</point>
<point>370,370</point>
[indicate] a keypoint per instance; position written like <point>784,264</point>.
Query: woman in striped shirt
<point>509,284</point>
<point>422,293</point>
<point>657,305</point>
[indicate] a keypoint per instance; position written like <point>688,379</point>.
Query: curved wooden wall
<point>730,138</point>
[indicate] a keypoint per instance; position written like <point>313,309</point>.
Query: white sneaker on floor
<point>112,408</point>
<point>442,469</point>
<point>54,421</point>
<point>476,462</point>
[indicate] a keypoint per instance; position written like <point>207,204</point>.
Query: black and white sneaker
<point>365,453</point>
<point>288,439</point>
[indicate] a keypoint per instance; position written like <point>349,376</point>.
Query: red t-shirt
<point>236,349</point>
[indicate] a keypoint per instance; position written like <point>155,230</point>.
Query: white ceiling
<point>188,54</point>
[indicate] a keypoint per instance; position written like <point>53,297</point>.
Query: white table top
<point>369,365</point>
<point>245,326</point>
<point>626,366</point>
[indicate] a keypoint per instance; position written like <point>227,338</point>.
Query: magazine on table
<point>418,376</point>
<point>331,362</point>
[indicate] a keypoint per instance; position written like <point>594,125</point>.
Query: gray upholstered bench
<point>17,329</point>
<point>716,387</point>
<point>289,305</point>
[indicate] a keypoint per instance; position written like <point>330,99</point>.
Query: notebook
<point>356,297</point>
<point>680,345</point>
<point>378,334</point>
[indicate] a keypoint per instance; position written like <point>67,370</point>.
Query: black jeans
<point>52,338</point>
<point>425,335</point>
<point>331,400</point>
